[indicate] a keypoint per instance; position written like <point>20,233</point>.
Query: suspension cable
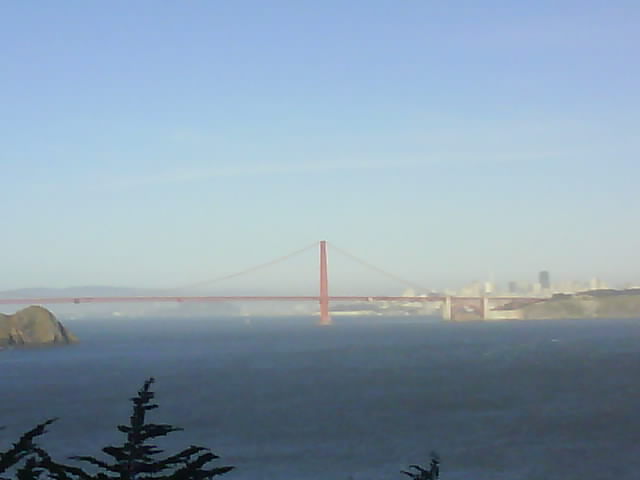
<point>248,270</point>
<point>379,270</point>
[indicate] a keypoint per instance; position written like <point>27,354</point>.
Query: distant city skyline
<point>159,144</point>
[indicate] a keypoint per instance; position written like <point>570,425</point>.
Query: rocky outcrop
<point>33,326</point>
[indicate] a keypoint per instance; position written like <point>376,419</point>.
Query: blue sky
<point>160,143</point>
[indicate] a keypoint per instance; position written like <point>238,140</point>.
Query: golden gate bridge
<point>481,304</point>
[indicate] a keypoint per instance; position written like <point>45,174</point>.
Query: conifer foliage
<point>23,456</point>
<point>137,458</point>
<point>431,473</point>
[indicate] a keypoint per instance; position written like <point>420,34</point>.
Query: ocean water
<point>283,399</point>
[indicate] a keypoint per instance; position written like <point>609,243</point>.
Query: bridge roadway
<point>202,298</point>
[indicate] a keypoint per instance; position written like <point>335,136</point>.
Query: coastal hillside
<point>33,326</point>
<point>591,304</point>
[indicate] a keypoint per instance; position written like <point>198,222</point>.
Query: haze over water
<point>282,399</point>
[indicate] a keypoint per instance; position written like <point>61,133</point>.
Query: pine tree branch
<point>24,447</point>
<point>137,458</point>
<point>96,462</point>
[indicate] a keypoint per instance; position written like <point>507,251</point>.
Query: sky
<point>163,143</point>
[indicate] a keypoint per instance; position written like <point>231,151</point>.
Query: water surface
<point>284,399</point>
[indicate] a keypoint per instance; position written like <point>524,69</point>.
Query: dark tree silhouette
<point>432,473</point>
<point>24,455</point>
<point>137,458</point>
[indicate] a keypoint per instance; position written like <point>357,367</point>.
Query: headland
<point>33,326</point>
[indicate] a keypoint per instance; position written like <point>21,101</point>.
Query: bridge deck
<point>162,298</point>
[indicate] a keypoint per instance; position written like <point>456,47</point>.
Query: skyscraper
<point>544,280</point>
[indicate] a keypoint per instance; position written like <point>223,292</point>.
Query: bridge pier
<point>484,308</point>
<point>485,311</point>
<point>447,308</point>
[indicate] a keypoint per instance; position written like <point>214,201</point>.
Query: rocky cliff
<point>33,326</point>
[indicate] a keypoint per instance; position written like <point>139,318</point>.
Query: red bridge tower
<point>325,319</point>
